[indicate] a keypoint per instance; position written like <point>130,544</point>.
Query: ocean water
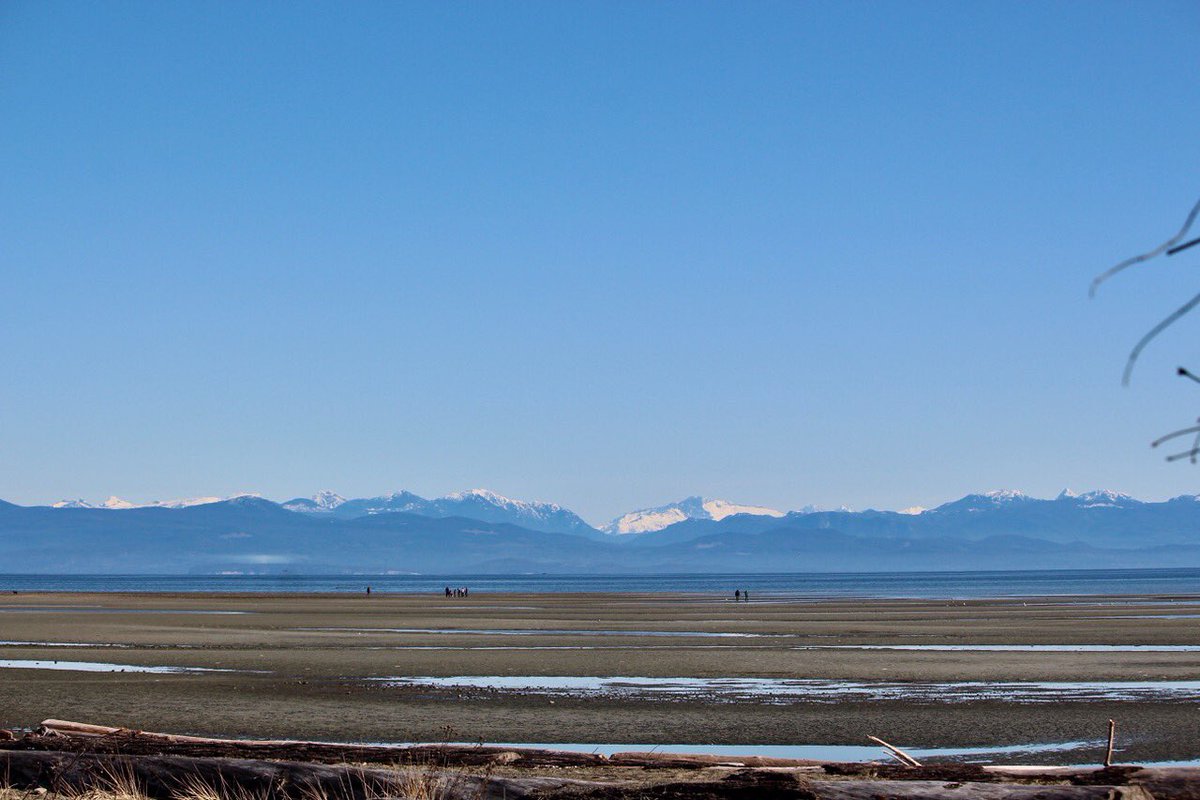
<point>762,587</point>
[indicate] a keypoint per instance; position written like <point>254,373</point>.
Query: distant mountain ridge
<point>481,504</point>
<point>247,534</point>
<point>479,530</point>
<point>114,503</point>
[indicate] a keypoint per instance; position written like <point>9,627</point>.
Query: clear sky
<point>608,254</point>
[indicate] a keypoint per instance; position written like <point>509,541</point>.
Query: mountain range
<point>481,532</point>
<point>480,504</point>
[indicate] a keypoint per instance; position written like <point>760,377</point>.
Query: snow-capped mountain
<point>114,503</point>
<point>1099,498</point>
<point>986,501</point>
<point>402,501</point>
<point>72,504</point>
<point>322,502</point>
<point>480,504</point>
<point>655,519</point>
<point>491,507</point>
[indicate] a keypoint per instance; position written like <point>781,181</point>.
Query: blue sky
<point>608,254</point>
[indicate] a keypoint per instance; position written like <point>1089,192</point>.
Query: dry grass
<point>428,784</point>
<point>42,794</point>
<point>416,783</point>
<point>109,785</point>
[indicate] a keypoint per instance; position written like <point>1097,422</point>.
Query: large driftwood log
<point>1162,783</point>
<point>700,761</point>
<point>903,790</point>
<point>77,755</point>
<point>81,737</point>
<point>774,785</point>
<point>166,777</point>
<point>84,737</point>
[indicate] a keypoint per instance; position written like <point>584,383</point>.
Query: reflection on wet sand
<point>783,690</point>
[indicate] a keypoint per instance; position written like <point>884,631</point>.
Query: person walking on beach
<point>745,595</point>
<point>737,595</point>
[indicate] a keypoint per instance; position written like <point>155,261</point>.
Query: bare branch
<point>1167,245</point>
<point>1183,373</point>
<point>1180,248</point>
<point>1155,331</point>
<point>1173,434</point>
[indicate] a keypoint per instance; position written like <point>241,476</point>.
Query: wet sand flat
<point>306,666</point>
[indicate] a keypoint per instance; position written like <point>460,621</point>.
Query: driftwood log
<point>167,777</point>
<point>768,785</point>
<point>67,756</point>
<point>904,757</point>
<point>60,735</point>
<point>903,790</point>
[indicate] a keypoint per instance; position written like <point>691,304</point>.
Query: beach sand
<point>304,666</point>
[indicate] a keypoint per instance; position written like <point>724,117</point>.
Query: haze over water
<point>930,585</point>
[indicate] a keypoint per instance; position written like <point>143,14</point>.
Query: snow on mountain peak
<point>647,520</point>
<point>1104,497</point>
<point>992,501</point>
<point>987,501</point>
<point>323,502</point>
<point>327,499</point>
<point>1004,495</point>
<point>912,511</point>
<point>115,502</point>
<point>1097,497</point>
<point>188,502</point>
<point>72,504</point>
<point>1106,494</point>
<point>486,495</point>
<point>720,509</point>
<point>500,501</point>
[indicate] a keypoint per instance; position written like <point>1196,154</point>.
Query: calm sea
<point>761,586</point>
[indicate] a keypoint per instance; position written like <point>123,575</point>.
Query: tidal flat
<point>350,667</point>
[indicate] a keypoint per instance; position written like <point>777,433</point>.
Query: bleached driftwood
<point>106,739</point>
<point>896,751</point>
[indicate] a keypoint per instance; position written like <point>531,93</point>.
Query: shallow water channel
<point>783,690</point>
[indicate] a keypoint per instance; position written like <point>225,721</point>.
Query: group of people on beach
<point>741,596</point>
<point>459,591</point>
